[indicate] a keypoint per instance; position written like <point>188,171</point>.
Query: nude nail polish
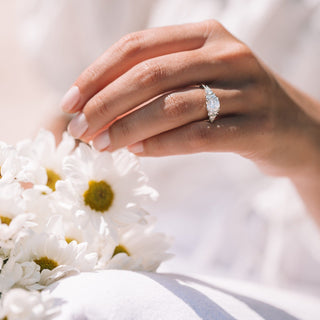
<point>70,99</point>
<point>102,141</point>
<point>78,125</point>
<point>136,147</point>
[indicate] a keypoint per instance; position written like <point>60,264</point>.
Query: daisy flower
<point>103,184</point>
<point>19,304</point>
<point>13,218</point>
<point>40,201</point>
<point>139,248</point>
<point>65,211</point>
<point>25,274</point>
<point>18,168</point>
<point>44,151</point>
<point>41,259</point>
<point>73,228</point>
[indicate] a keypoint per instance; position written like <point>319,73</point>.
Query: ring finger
<point>165,113</point>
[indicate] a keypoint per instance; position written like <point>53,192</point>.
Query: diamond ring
<point>212,103</point>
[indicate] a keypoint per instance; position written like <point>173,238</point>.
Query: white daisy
<point>76,225</point>
<point>139,248</point>
<point>13,218</point>
<point>19,304</point>
<point>40,259</point>
<point>14,167</point>
<point>44,150</point>
<point>70,227</point>
<point>25,274</point>
<point>40,201</point>
<point>104,184</point>
<point>93,220</point>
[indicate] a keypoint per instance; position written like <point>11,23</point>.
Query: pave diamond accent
<point>212,103</point>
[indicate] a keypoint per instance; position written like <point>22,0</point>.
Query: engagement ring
<point>212,103</point>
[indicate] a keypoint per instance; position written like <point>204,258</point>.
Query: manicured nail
<point>78,125</point>
<point>102,141</point>
<point>70,99</point>
<point>136,147</point>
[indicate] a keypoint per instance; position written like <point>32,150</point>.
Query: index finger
<point>129,51</point>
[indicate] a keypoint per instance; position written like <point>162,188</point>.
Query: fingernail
<point>70,99</point>
<point>136,147</point>
<point>78,125</point>
<point>102,141</point>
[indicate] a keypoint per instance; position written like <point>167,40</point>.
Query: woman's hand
<point>144,93</point>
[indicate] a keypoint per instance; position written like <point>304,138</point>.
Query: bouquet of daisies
<point>65,210</point>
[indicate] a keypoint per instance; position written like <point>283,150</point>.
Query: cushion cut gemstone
<point>212,103</point>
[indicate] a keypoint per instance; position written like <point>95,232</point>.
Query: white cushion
<point>119,295</point>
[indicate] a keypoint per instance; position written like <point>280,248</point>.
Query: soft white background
<point>227,218</point>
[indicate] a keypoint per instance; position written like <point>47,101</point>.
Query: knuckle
<point>249,60</point>
<point>149,73</point>
<point>132,43</point>
<point>210,27</point>
<point>99,106</point>
<point>238,51</point>
<point>242,51</point>
<point>213,24</point>
<point>88,76</point>
<point>175,106</point>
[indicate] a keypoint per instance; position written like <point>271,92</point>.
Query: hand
<point>144,93</point>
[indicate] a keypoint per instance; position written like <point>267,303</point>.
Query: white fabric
<point>209,203</point>
<point>123,295</point>
<point>66,36</point>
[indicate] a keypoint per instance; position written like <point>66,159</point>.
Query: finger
<point>129,51</point>
<point>166,113</point>
<point>227,134</point>
<point>144,82</point>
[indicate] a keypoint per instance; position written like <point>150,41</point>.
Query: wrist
<point>290,145</point>
<point>300,145</point>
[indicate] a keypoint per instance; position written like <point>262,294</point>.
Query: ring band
<point>212,103</point>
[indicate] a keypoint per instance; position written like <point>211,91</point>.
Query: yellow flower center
<point>99,196</point>
<point>120,249</point>
<point>70,239</point>
<point>53,177</point>
<point>46,263</point>
<point>0,173</point>
<point>5,220</point>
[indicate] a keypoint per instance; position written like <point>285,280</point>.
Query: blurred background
<point>227,218</point>
<point>24,97</point>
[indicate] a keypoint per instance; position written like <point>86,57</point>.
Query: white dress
<point>227,218</point>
